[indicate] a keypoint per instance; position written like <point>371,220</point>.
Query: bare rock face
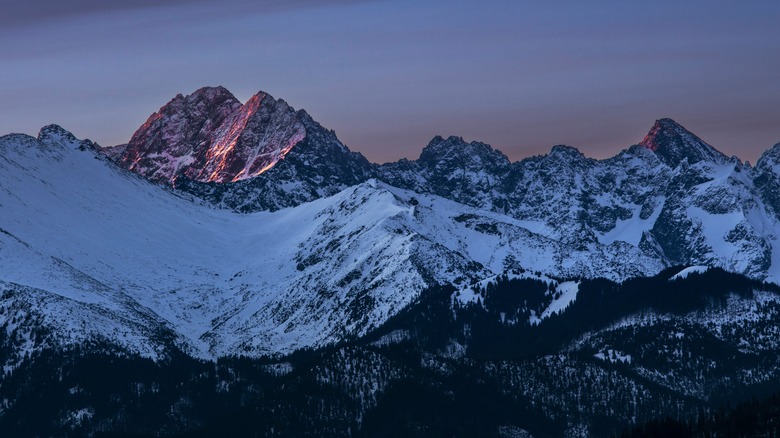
<point>260,155</point>
<point>209,136</point>
<point>671,199</point>
<point>673,144</point>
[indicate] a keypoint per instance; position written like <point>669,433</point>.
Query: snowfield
<point>98,252</point>
<point>688,271</point>
<point>94,251</point>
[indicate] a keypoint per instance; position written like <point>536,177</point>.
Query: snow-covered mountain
<point>210,136</point>
<point>579,294</point>
<point>226,228</point>
<point>671,199</point>
<point>262,155</point>
<point>84,242</point>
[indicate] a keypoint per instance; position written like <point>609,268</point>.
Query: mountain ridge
<point>662,131</point>
<point>436,238</point>
<point>656,196</point>
<point>459,213</point>
<point>577,295</point>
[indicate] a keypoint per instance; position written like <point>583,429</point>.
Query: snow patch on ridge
<point>568,293</point>
<point>563,294</point>
<point>631,230</point>
<point>688,271</point>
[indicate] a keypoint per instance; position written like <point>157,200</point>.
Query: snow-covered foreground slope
<point>95,251</point>
<point>84,238</point>
<point>92,250</point>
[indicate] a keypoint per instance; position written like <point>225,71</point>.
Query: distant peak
<point>456,149</point>
<point>55,131</point>
<point>210,136</point>
<point>661,128</point>
<point>212,92</point>
<point>440,145</point>
<point>562,150</point>
<point>673,144</point>
<point>57,135</point>
<point>452,139</point>
<point>770,156</point>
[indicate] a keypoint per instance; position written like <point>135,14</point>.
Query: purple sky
<point>389,75</point>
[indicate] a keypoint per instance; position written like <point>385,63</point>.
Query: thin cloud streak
<point>37,12</point>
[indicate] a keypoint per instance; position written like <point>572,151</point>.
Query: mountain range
<point>224,229</point>
<point>672,199</point>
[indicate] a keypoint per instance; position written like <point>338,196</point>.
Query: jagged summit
<point>288,276</point>
<point>673,144</point>
<point>455,148</point>
<point>772,154</point>
<point>209,136</point>
<point>566,151</point>
<point>54,131</point>
<point>250,141</point>
<point>211,93</point>
<point>264,155</point>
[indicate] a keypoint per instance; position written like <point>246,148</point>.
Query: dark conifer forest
<point>622,360</point>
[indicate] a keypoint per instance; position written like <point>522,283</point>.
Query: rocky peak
<point>456,151</point>
<point>56,135</point>
<point>766,177</point>
<point>770,157</point>
<point>560,160</point>
<point>250,141</point>
<point>209,136</point>
<point>640,151</point>
<point>673,144</point>
<point>566,152</point>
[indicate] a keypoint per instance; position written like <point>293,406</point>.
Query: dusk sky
<point>389,75</point>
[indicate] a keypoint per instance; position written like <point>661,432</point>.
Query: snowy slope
<point>688,271</point>
<point>331,246</point>
<point>100,240</point>
<point>672,199</point>
<point>223,281</point>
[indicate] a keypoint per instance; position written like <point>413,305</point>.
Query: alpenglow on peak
<point>673,144</point>
<point>209,136</point>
